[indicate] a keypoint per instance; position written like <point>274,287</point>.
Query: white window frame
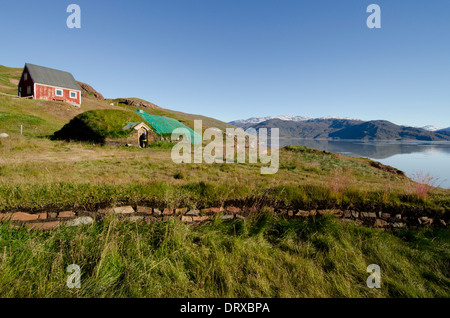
<point>76,95</point>
<point>56,92</point>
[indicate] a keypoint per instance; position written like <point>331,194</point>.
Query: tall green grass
<point>88,196</point>
<point>262,257</point>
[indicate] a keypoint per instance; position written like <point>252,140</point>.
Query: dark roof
<point>52,77</point>
<point>130,126</point>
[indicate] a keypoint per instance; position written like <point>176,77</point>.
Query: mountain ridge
<point>257,120</point>
<point>337,128</point>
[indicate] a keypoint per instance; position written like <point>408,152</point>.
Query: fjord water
<point>412,157</point>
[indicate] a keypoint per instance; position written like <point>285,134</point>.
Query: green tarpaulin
<point>165,125</point>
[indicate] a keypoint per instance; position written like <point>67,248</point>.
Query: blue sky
<point>233,59</point>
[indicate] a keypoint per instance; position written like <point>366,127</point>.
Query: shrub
<point>423,185</point>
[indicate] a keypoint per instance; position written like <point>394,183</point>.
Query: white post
<point>21,129</point>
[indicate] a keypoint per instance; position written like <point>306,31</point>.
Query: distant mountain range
<point>257,120</point>
<point>343,128</point>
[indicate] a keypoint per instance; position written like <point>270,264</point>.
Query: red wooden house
<point>45,83</point>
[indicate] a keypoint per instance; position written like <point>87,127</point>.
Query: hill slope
<point>257,120</point>
<point>335,128</point>
<point>385,130</point>
<point>96,125</point>
<point>39,117</point>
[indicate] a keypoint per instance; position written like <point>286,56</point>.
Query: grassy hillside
<point>37,117</point>
<point>262,256</point>
<point>96,125</point>
<point>46,117</point>
<point>101,176</point>
<point>185,118</point>
<point>9,78</point>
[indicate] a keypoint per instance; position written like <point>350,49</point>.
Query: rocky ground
<point>51,220</point>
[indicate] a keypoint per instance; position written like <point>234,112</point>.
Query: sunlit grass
<point>262,257</point>
<point>38,174</point>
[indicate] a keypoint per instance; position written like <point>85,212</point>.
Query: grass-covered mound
<point>56,114</point>
<point>264,256</point>
<point>8,79</point>
<point>97,125</point>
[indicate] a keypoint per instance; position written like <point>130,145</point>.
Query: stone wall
<point>51,220</point>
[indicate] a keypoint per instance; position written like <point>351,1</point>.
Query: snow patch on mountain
<point>257,120</point>
<point>338,117</point>
<point>431,128</point>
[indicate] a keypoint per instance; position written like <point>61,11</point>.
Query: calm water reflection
<point>411,157</point>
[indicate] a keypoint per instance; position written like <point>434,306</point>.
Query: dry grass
<point>340,180</point>
<point>124,165</point>
<point>43,173</point>
<point>422,185</point>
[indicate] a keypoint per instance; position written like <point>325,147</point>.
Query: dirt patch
<point>73,155</point>
<point>386,168</point>
<point>14,81</point>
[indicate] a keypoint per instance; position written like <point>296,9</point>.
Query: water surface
<point>413,157</point>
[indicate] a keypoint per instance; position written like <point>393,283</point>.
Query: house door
<point>143,137</point>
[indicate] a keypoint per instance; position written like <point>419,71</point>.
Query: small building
<point>45,83</point>
<point>136,131</point>
<point>164,126</point>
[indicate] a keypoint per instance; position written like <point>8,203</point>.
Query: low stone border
<point>51,220</point>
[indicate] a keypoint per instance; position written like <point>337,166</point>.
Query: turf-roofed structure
<point>164,126</point>
<point>120,127</point>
